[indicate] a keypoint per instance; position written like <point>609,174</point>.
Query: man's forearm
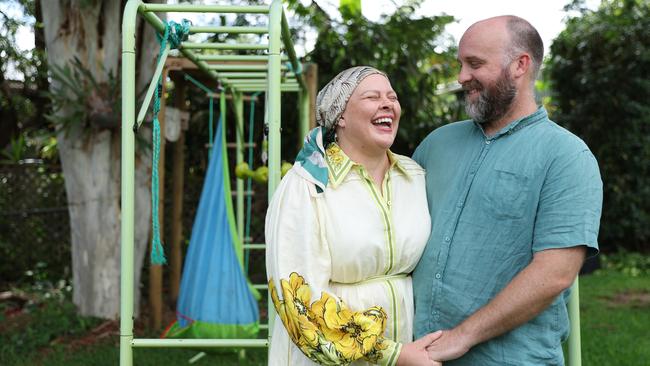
<point>526,296</point>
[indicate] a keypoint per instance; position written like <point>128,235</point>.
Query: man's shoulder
<point>558,139</point>
<point>445,132</point>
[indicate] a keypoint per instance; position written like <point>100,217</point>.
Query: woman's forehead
<point>374,82</point>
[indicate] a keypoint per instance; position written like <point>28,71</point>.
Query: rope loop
<point>174,34</point>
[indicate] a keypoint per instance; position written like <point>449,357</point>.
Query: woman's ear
<point>341,122</point>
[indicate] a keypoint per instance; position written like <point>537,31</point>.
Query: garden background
<point>595,82</point>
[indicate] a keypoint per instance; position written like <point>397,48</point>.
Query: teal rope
<point>198,84</point>
<point>174,34</point>
<point>296,72</point>
<point>211,118</point>
<point>249,181</point>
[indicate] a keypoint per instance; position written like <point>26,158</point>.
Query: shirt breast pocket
<point>507,193</point>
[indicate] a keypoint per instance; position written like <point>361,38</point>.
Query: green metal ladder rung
<point>216,343</point>
<point>233,30</point>
<point>247,89</point>
<point>237,57</point>
<point>251,75</point>
<point>257,81</point>
<point>243,67</point>
<point>283,86</point>
<point>191,8</point>
<point>254,246</point>
<point>245,193</point>
<point>223,46</point>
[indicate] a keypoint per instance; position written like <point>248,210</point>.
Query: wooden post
<point>310,73</point>
<point>155,271</point>
<point>178,176</point>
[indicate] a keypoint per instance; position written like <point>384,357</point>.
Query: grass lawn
<point>615,319</point>
<point>615,315</point>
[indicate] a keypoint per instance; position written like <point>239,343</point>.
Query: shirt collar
<point>518,124</point>
<point>339,164</point>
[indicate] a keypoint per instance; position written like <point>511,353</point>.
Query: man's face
<point>487,103</point>
<point>485,74</point>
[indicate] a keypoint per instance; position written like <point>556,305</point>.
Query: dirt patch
<point>630,298</point>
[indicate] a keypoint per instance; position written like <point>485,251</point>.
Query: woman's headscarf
<point>330,104</point>
<point>332,99</point>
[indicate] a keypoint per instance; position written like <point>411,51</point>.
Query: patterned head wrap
<point>332,99</point>
<point>330,104</point>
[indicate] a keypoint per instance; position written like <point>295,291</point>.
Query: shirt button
<point>487,142</point>
<point>447,239</point>
<point>460,204</point>
<point>438,275</point>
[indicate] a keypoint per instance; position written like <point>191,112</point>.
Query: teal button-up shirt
<point>494,202</point>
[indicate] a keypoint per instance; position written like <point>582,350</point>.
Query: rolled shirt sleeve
<point>570,204</point>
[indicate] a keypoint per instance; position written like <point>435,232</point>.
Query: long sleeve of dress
<point>298,264</point>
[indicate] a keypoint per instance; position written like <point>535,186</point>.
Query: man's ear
<point>522,65</point>
<point>341,122</point>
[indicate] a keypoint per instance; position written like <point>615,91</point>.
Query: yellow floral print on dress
<point>327,331</point>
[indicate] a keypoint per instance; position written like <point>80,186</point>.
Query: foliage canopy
<point>412,50</point>
<point>600,75</point>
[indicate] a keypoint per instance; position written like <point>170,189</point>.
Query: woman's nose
<point>386,103</point>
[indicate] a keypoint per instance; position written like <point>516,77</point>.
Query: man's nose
<point>464,75</point>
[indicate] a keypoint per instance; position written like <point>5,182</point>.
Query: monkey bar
<point>237,73</point>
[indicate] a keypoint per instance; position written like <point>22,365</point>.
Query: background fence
<point>35,224</point>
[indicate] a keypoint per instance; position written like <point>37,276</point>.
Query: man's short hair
<point>525,38</point>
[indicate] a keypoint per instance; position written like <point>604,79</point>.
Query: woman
<point>345,228</point>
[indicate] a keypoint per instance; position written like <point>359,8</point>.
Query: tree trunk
<point>90,156</point>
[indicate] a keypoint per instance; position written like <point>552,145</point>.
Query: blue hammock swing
<point>215,300</point>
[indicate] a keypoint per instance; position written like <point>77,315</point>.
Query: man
<point>515,203</point>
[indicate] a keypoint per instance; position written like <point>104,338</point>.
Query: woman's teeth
<point>382,120</point>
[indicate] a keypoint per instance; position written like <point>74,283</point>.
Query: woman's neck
<point>376,163</point>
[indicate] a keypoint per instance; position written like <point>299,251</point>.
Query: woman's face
<point>371,117</point>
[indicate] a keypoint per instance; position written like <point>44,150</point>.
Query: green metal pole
<point>239,251</point>
<point>303,109</point>
<point>575,355</point>
<point>128,183</point>
<point>288,46</point>
<point>238,101</point>
<point>273,116</point>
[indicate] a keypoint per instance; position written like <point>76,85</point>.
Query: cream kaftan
<point>339,261</point>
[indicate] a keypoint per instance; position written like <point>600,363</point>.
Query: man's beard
<point>493,101</point>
